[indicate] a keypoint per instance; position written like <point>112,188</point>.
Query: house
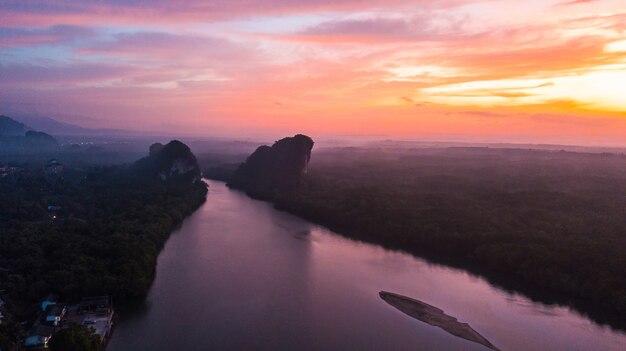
<point>36,341</point>
<point>98,304</point>
<point>93,312</point>
<point>48,322</point>
<point>54,314</point>
<point>97,313</point>
<point>50,300</point>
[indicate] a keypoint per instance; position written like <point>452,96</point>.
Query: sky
<point>538,71</point>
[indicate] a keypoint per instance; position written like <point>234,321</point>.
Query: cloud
<point>483,114</point>
<point>179,57</point>
<point>615,22</point>
<point>332,65</point>
<point>575,2</point>
<point>496,60</point>
<point>381,28</point>
<point>47,12</point>
<point>516,94</point>
<point>425,27</point>
<point>168,46</point>
<point>61,73</point>
<point>14,37</point>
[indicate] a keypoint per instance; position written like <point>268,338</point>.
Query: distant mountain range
<point>54,127</point>
<point>11,128</point>
<point>15,136</point>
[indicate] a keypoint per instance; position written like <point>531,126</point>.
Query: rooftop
<point>95,303</point>
<point>95,313</point>
<point>55,310</point>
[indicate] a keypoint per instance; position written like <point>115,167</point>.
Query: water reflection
<point>241,275</point>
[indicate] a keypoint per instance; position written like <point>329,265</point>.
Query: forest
<point>548,223</point>
<point>94,230</point>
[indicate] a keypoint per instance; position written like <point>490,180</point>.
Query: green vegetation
<point>549,223</point>
<point>76,337</point>
<point>102,237</point>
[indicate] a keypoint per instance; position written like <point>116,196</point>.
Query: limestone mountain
<point>171,162</point>
<point>277,167</point>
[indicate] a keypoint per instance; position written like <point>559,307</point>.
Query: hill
<point>17,137</point>
<point>171,162</point>
<point>54,127</point>
<point>11,128</point>
<point>273,168</point>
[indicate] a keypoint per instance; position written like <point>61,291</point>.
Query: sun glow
<point>616,46</point>
<point>335,67</point>
<point>420,73</point>
<point>600,88</point>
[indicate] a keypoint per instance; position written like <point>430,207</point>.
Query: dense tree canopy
<point>549,223</point>
<point>76,337</point>
<point>92,231</point>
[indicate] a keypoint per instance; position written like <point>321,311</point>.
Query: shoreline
<point>587,309</point>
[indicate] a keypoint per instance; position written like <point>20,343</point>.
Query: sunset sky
<point>521,71</point>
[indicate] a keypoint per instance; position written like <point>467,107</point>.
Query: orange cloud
<point>432,69</point>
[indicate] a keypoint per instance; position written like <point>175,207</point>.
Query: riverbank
<point>521,218</point>
<point>88,231</point>
<point>260,279</point>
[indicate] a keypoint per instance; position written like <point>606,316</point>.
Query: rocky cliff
<point>171,162</point>
<point>279,167</point>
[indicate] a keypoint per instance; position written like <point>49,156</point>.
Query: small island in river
<point>435,317</point>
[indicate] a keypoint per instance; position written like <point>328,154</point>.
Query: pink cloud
<point>49,12</point>
<point>333,76</point>
<point>183,57</point>
<point>166,46</point>
<point>426,27</point>
<point>575,2</point>
<point>13,37</point>
<point>74,73</point>
<point>616,21</point>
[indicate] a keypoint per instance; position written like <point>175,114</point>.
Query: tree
<point>76,337</point>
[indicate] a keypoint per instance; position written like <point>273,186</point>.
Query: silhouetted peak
<point>10,127</point>
<point>279,167</point>
<point>155,148</point>
<point>40,138</point>
<point>173,161</point>
<point>17,136</point>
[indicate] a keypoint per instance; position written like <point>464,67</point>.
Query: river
<point>240,275</point>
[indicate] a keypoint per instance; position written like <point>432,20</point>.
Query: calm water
<point>239,275</point>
